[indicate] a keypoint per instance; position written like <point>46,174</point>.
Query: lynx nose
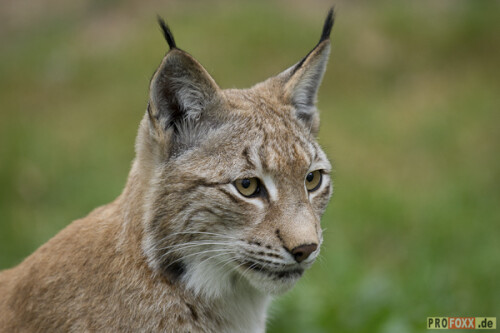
<point>302,252</point>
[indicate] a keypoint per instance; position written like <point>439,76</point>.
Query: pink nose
<point>302,252</point>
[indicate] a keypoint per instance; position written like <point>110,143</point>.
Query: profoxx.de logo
<point>440,323</point>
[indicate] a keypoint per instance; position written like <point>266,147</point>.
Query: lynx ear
<point>180,89</point>
<point>301,81</point>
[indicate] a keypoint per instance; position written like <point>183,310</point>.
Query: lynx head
<point>235,183</point>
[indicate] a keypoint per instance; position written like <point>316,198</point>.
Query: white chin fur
<point>244,305</point>
<point>205,278</point>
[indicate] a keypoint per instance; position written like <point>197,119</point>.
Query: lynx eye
<point>248,186</point>
<point>313,180</point>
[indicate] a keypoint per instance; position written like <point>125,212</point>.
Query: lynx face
<point>237,183</point>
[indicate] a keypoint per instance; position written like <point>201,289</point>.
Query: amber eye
<point>248,186</point>
<point>313,180</point>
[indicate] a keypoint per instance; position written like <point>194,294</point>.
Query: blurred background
<point>410,119</point>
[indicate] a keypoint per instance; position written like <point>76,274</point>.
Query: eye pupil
<point>313,180</point>
<point>248,187</point>
<point>310,177</point>
<point>245,183</point>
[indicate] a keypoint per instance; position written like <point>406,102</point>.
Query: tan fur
<point>181,250</point>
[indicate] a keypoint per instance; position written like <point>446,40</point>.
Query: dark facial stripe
<point>201,182</point>
<point>232,197</point>
<point>201,210</point>
<point>246,155</point>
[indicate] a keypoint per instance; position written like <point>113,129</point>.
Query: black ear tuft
<point>325,34</point>
<point>327,27</point>
<point>167,33</point>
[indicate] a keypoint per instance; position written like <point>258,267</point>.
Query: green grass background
<point>410,109</point>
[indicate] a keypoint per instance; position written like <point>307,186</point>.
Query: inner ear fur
<point>180,90</point>
<point>302,84</point>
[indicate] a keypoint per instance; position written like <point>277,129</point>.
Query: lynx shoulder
<point>221,211</point>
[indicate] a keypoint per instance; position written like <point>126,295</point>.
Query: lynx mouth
<point>275,274</point>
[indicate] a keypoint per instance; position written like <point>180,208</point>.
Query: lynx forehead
<point>221,210</point>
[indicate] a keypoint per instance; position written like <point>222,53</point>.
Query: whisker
<point>225,237</point>
<point>182,246</point>
<point>192,254</point>
<point>192,243</point>
<point>321,259</point>
<point>231,269</point>
<point>252,266</point>
<point>155,248</point>
<point>257,260</point>
<point>230,260</point>
<point>196,253</point>
<point>217,255</point>
<point>202,233</point>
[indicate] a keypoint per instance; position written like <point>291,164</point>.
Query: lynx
<point>221,211</point>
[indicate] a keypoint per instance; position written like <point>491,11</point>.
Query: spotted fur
<point>181,249</point>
